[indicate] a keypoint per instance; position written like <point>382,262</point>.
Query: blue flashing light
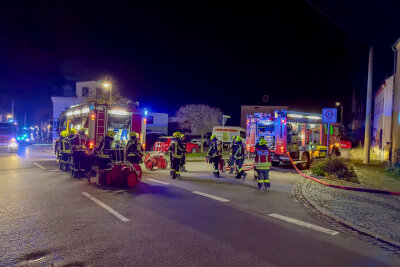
<point>91,107</point>
<point>25,135</point>
<point>18,138</point>
<point>10,120</point>
<point>145,112</point>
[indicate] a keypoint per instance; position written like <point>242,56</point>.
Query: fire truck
<point>99,118</point>
<point>302,135</point>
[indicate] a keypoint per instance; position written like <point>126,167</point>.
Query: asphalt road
<point>47,217</point>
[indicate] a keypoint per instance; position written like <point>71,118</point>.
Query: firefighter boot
<point>244,175</point>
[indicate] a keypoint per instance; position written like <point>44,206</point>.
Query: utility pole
<point>367,136</point>
<point>12,108</point>
<point>25,120</point>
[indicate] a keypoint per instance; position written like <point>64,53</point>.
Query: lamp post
<point>341,111</point>
<point>108,84</point>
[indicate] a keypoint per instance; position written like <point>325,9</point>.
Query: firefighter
<point>177,150</point>
<point>183,160</point>
<point>133,150</point>
<point>214,155</point>
<point>239,158</point>
<point>65,150</point>
<point>103,152</point>
<point>231,161</point>
<point>79,153</point>
<point>262,163</point>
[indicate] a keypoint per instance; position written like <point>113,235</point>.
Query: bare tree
<point>199,118</point>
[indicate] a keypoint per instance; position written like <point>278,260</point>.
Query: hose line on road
<point>368,190</point>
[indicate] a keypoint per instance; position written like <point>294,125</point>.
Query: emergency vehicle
<point>302,135</point>
<point>99,118</point>
<point>8,136</point>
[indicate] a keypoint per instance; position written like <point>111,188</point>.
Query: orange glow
<point>92,116</point>
<point>144,120</point>
<point>144,146</point>
<point>90,144</point>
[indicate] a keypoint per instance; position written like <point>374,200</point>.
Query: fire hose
<point>368,190</point>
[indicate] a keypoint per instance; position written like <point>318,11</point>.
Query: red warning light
<point>92,116</point>
<point>144,120</point>
<point>90,144</point>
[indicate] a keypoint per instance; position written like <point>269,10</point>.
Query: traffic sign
<point>329,115</point>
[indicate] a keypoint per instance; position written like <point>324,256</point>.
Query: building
<point>157,123</point>
<point>244,110</point>
<point>396,104</point>
<point>382,123</point>
<point>73,96</point>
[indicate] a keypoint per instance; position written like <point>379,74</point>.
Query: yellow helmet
<point>63,134</point>
<point>176,134</point>
<point>182,136</point>
<point>238,139</point>
<point>111,134</point>
<point>212,136</point>
<point>133,134</point>
<point>72,131</point>
<point>262,142</point>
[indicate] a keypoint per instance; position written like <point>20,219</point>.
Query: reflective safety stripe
<point>215,170</point>
<point>263,181</point>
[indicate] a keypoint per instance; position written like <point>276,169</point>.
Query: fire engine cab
<point>99,118</point>
<point>300,134</point>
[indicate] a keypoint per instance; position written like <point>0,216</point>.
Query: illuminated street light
<point>107,84</point>
<point>9,116</point>
<point>337,104</point>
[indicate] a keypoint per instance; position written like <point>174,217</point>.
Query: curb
<point>345,222</point>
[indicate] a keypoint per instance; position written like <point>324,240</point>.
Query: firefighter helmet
<point>182,136</point>
<point>234,138</point>
<point>212,137</point>
<point>63,134</point>
<point>176,134</point>
<point>133,134</point>
<point>238,139</point>
<point>72,131</point>
<point>111,134</point>
<point>262,142</point>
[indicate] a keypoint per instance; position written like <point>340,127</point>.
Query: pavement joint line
<point>304,224</point>
<point>210,196</point>
<point>157,181</point>
<point>106,207</point>
<point>40,166</point>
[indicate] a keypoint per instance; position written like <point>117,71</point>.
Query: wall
<point>159,124</point>
<point>244,110</point>
<point>396,102</point>
<point>92,85</point>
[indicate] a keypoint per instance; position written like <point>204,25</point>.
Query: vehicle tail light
<point>144,146</point>
<point>144,120</point>
<point>90,144</point>
<point>92,116</point>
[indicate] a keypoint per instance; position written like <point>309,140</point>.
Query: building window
<point>99,92</point>
<point>150,120</point>
<point>85,91</point>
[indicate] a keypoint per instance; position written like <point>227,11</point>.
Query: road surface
<point>48,218</point>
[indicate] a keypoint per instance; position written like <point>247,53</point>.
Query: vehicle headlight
<point>27,139</point>
<point>13,144</point>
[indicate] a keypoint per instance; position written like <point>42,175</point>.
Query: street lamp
<point>341,111</point>
<point>107,84</point>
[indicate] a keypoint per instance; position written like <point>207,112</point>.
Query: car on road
<point>8,139</point>
<point>164,141</point>
<point>206,140</point>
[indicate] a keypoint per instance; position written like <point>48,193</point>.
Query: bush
<point>334,166</point>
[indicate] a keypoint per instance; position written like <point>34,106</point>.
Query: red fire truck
<point>98,118</point>
<point>301,134</point>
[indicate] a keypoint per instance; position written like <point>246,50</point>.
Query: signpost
<point>329,115</point>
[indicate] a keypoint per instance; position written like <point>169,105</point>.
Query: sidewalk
<point>376,215</point>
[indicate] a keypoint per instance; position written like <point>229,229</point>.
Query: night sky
<point>173,53</point>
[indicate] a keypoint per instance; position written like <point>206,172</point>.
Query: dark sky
<point>173,53</point>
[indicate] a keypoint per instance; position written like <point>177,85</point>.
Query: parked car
<point>206,140</point>
<point>164,141</point>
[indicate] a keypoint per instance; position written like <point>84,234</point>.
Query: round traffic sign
<point>329,114</point>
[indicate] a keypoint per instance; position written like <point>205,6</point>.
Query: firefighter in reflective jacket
<point>262,162</point>
<point>231,161</point>
<point>65,151</point>
<point>176,148</point>
<point>103,153</point>
<point>214,155</point>
<point>238,155</point>
<point>183,160</point>
<point>79,153</point>
<point>133,150</point>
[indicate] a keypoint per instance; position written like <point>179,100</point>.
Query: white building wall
<point>92,85</point>
<point>160,123</point>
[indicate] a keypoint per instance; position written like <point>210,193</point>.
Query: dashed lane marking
<point>304,224</point>
<point>210,196</point>
<point>40,166</point>
<point>157,181</point>
<point>108,208</point>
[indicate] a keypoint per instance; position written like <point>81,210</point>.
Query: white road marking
<point>109,209</point>
<point>210,196</point>
<point>304,224</point>
<point>156,181</point>
<point>40,166</point>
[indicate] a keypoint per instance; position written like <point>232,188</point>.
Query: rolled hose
<point>368,190</point>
